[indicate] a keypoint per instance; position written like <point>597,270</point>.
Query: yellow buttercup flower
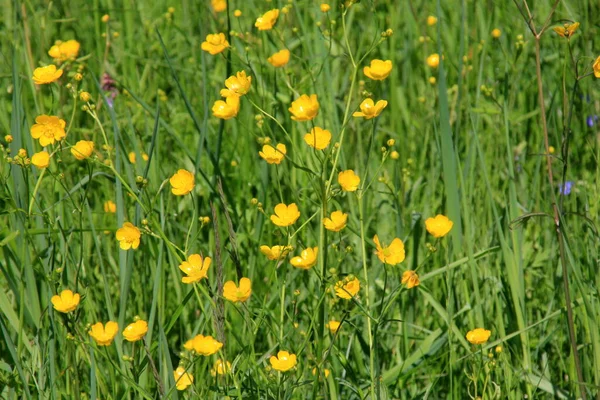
<point>285,215</point>
<point>135,331</point>
<point>496,33</point>
<point>378,70</point>
<point>238,85</point>
<point>392,254</point>
<point>433,60</point>
<point>226,109</point>
<point>369,109</point>
<point>182,379</point>
<point>219,5</point>
<point>63,51</point>
<point>275,252</point>
<point>41,159</point>
<point>348,180</point>
<point>133,158</point>
<point>235,293</point>
<point>279,59</point>
<point>66,302</point>
<point>206,345</point>
<point>48,129</point>
<point>318,138</point>
<point>128,236</point>
<point>325,371</point>
<point>221,367</point>
<point>215,43</point>
<point>478,336</point>
<point>307,258</point>
<point>110,207</point>
<point>410,279</point>
<point>237,13</point>
<point>283,362</point>
<point>567,30</point>
<point>347,288</point>
<point>182,182</point>
<point>596,67</point>
<point>325,7</point>
<point>305,108</point>
<point>196,268</point>
<point>103,335</point>
<point>431,20</point>
<point>336,221</point>
<point>266,21</point>
<point>85,96</point>
<point>82,149</point>
<point>273,155</point>
<point>48,74</point>
<point>333,326</point>
<point>438,226</point>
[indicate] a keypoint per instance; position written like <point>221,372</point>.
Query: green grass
<point>469,144</point>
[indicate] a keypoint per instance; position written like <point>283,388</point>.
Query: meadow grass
<point>490,136</point>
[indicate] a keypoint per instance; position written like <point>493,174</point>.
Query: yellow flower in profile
<point>333,326</point>
<point>182,379</point>
<point>273,155</point>
<point>378,70</point>
<point>431,20</point>
<point>221,367</point>
<point>318,138</point>
<point>285,215</point>
<point>135,331</point>
<point>369,109</point>
<point>567,30</point>
<point>182,182</point>
<point>235,293</point>
<point>307,258</point>
<point>392,254</point>
<point>238,85</point>
<point>63,51</point>
<point>215,43</point>
<point>48,129</point>
<point>266,21</point>
<point>104,334</point>
<point>438,226</point>
<point>496,33</point>
<point>110,207</point>
<point>325,7</point>
<point>226,109</point>
<point>410,279</point>
<point>478,336</point>
<point>133,158</point>
<point>41,159</point>
<point>433,60</point>
<point>128,236</point>
<point>336,221</point>
<point>279,59</point>
<point>196,268</point>
<point>347,288</point>
<point>66,301</point>
<point>47,74</point>
<point>219,5</point>
<point>325,371</point>
<point>305,108</point>
<point>283,362</point>
<point>348,180</point>
<point>275,252</point>
<point>206,345</point>
<point>237,13</point>
<point>82,149</point>
<point>596,67</point>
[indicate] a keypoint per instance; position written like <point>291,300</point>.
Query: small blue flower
<point>565,189</point>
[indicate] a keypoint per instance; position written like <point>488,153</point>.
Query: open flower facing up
<point>196,268</point>
<point>348,288</point>
<point>47,74</point>
<point>324,7</point>
<point>307,258</point>
<point>333,326</point>
<point>220,367</point>
<point>438,226</point>
<point>369,109</point>
<point>226,109</point>
<point>219,5</point>
<point>83,149</point>
<point>431,20</point>
<point>336,221</point>
<point>266,21</point>
<point>235,293</point>
<point>135,331</point>
<point>318,138</point>
<point>392,254</point>
<point>41,159</point>
<point>128,236</point>
<point>433,60</point>
<point>182,182</point>
<point>348,180</point>
<point>304,108</point>
<point>48,129</point>
<point>379,69</point>
<point>567,30</point>
<point>596,67</point>
<point>285,215</point>
<point>237,85</point>
<point>273,155</point>
<point>275,252</point>
<point>110,207</point>
<point>206,345</point>
<point>63,51</point>
<point>279,59</point>
<point>66,301</point>
<point>410,279</point>
<point>478,336</point>
<point>182,379</point>
<point>283,362</point>
<point>215,43</point>
<point>104,334</point>
<point>496,33</point>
